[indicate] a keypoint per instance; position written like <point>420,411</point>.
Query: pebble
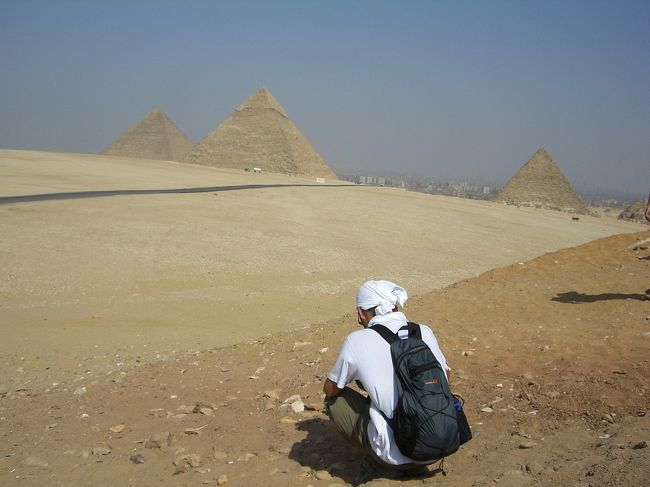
<point>101,450</point>
<point>158,440</point>
<point>194,431</point>
<point>185,462</point>
<point>84,454</point>
<point>608,418</point>
<point>137,459</point>
<point>199,406</point>
<point>322,475</point>
<point>640,445</point>
<point>298,406</point>
<point>487,409</point>
<point>117,428</point>
<point>292,399</point>
<point>222,479</point>
<point>206,411</point>
<point>246,457</point>
<point>527,444</point>
<point>287,420</point>
<point>272,395</point>
<point>80,391</point>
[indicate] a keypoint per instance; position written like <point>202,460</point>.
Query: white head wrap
<point>381,295</point>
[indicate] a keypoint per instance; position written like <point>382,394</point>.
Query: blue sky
<point>453,90</point>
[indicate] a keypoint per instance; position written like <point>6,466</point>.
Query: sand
<point>90,285</point>
<point>556,347</point>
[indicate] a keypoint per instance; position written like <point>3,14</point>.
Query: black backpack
<point>425,420</point>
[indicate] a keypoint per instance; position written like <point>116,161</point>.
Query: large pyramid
<point>540,183</point>
<point>153,137</point>
<point>260,134</point>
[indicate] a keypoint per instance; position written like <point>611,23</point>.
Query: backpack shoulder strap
<point>414,330</point>
<point>385,333</point>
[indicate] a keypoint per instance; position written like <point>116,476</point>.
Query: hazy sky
<point>454,90</point>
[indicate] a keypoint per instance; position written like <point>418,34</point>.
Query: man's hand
<point>331,389</point>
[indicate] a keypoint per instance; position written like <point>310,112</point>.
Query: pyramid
<point>153,137</point>
<point>259,133</point>
<point>540,183</point>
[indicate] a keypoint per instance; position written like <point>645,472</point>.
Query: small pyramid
<point>153,137</point>
<point>259,133</point>
<point>540,183</point>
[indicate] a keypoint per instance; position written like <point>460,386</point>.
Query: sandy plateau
<point>135,292</point>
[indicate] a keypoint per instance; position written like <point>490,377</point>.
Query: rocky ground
<point>551,356</point>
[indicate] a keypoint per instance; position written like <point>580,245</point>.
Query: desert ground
<point>134,292</point>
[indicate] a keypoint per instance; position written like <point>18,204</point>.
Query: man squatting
<point>365,356</point>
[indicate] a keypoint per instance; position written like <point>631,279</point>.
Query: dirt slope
<point>556,347</point>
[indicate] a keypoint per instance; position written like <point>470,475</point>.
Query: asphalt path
<point>29,198</point>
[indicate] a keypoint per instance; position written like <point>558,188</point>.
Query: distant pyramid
<point>153,137</point>
<point>260,134</point>
<point>540,183</point>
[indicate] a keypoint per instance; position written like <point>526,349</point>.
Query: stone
<point>137,459</point>
<point>200,406</point>
<point>117,428</point>
<point>608,418</point>
<point>527,444</point>
<point>246,457</point>
<point>80,391</point>
<point>206,411</point>
<point>640,445</point>
<point>272,395</point>
<point>222,479</point>
<point>298,407</point>
<point>183,463</point>
<point>292,399</point>
<point>194,431</point>
<point>487,409</point>
<point>158,440</point>
<point>322,475</point>
<point>101,450</point>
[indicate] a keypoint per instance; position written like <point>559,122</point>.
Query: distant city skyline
<point>465,90</point>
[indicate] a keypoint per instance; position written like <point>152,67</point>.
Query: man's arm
<point>330,388</point>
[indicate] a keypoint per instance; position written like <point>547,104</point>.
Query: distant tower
<point>540,183</point>
<point>259,133</point>
<point>153,137</point>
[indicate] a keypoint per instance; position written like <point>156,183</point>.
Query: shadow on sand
<point>28,198</point>
<point>574,297</point>
<point>325,449</point>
